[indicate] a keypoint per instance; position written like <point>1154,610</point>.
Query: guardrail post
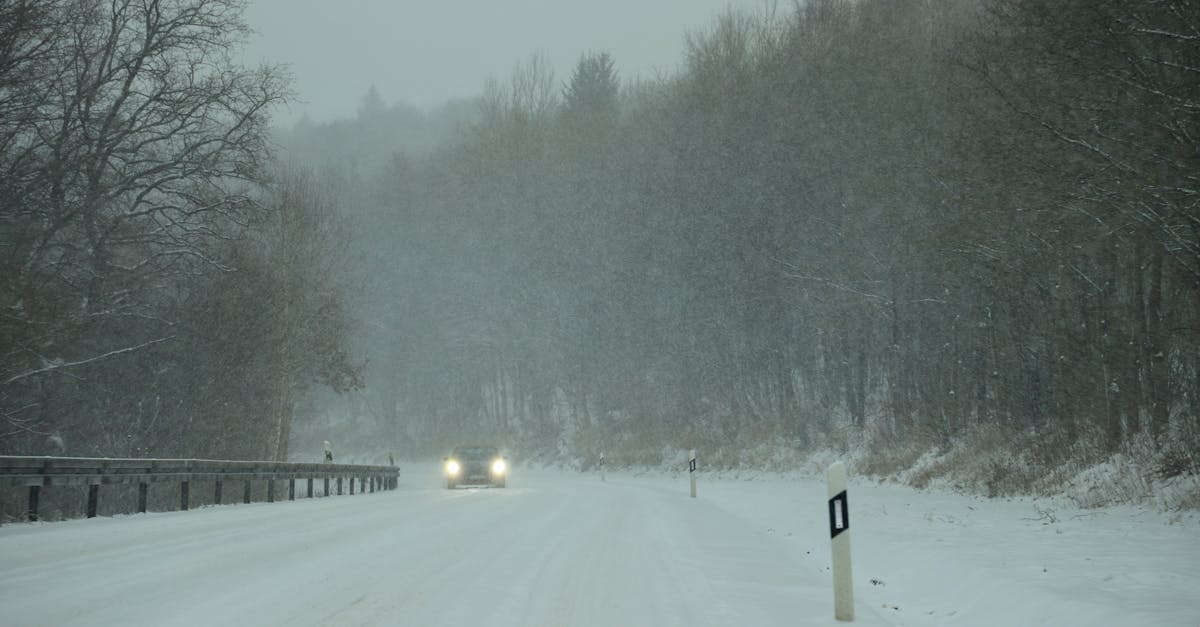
<point>271,490</point>
<point>93,498</point>
<point>183,495</point>
<point>602,467</point>
<point>339,486</point>
<point>217,492</point>
<point>326,486</point>
<point>351,486</point>
<point>246,492</point>
<point>292,489</point>
<point>310,480</point>
<point>362,484</point>
<point>143,489</point>
<point>31,512</point>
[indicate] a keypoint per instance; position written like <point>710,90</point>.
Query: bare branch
<point>83,362</point>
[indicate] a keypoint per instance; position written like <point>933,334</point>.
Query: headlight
<point>452,467</point>
<point>498,467</point>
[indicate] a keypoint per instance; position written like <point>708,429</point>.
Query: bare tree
<point>140,153</point>
<point>306,251</point>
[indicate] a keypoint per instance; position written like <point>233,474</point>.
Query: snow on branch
<point>82,362</point>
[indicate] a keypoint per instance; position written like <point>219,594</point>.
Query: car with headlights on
<point>476,466</point>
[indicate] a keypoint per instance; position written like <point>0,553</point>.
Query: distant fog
<point>425,52</point>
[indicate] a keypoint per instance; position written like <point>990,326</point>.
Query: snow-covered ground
<point>560,548</point>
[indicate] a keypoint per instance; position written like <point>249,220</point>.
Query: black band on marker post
<point>839,514</point>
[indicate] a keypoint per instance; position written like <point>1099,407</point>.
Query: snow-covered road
<point>559,548</point>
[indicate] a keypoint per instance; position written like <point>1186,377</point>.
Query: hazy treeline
<point>165,288</point>
<point>897,223</point>
<point>890,224</point>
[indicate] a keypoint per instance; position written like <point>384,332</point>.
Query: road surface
<point>551,549</point>
<point>563,549</point>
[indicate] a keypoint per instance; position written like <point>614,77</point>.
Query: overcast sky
<point>425,52</point>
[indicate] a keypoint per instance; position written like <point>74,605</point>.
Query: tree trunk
<point>1157,371</point>
<point>283,424</point>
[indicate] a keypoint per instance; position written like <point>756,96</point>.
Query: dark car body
<point>477,466</point>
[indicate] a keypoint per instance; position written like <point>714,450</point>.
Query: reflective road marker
<point>839,533</point>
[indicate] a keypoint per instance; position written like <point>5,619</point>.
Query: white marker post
<point>839,532</point>
<point>692,471</point>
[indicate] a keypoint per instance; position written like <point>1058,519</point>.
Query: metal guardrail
<point>36,473</point>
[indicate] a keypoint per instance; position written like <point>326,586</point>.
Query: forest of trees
<point>166,288</point>
<point>905,227</point>
<point>898,224</point>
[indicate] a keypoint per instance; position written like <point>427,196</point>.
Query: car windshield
<point>475,452</point>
